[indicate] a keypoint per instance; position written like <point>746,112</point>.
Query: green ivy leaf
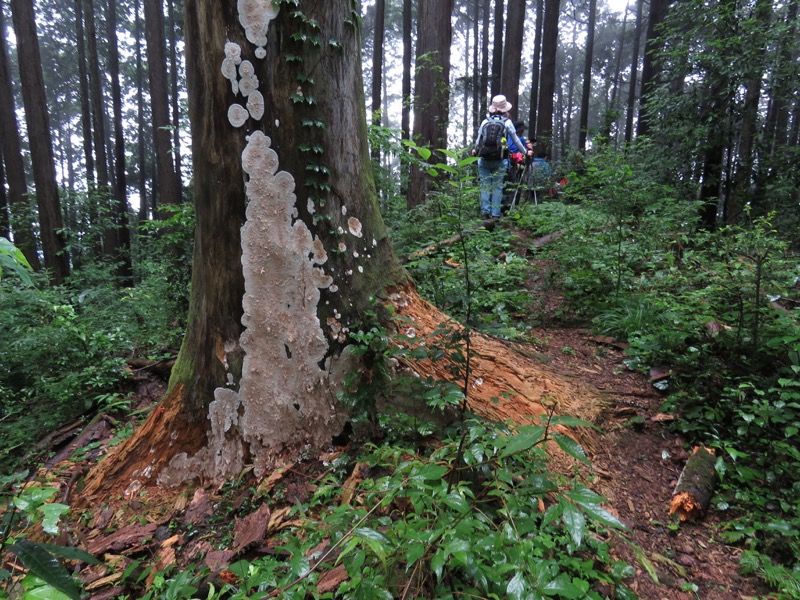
<point>516,587</point>
<point>52,513</point>
<point>525,438</point>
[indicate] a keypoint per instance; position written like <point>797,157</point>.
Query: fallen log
<point>695,486</point>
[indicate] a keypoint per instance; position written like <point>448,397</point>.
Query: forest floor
<point>636,468</point>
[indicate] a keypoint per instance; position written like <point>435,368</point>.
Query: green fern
<point>785,581</point>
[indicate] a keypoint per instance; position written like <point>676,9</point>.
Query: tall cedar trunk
<point>497,49</point>
<point>96,99</point>
<point>51,221</point>
<point>123,238</point>
<point>537,57</point>
<point>613,101</point>
<point>566,118</point>
<point>485,80</point>
<point>377,68</point>
<point>514,48</point>
<point>637,36</point>
<point>11,151</point>
<point>587,76</point>
<point>5,221</point>
<point>476,63</point>
<point>86,106</point>
<point>650,62</point>
<point>405,122</point>
<point>431,89</point>
<point>140,118</point>
<point>306,254</point>
<point>547,86</point>
<point>172,48</point>
<point>777,129</point>
<point>166,185</point>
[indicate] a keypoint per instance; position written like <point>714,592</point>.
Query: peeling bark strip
<point>695,486</point>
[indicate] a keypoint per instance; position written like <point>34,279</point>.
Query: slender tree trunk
<point>544,116</point>
<point>172,47</point>
<point>405,123</point>
<point>96,99</point>
<point>123,237</point>
<point>614,102</point>
<point>5,218</point>
<point>168,190</point>
<point>432,88</point>
<point>637,36</point>
<point>651,66</point>
<point>566,117</point>
<point>587,76</point>
<point>497,48</point>
<point>476,63</point>
<point>86,106</point>
<point>537,57</point>
<point>11,151</point>
<point>140,118</point>
<point>512,56</point>
<point>51,221</point>
<point>484,72</point>
<point>377,68</point>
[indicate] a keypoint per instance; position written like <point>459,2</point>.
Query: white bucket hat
<point>500,105</point>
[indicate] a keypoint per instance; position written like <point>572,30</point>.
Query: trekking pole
<point>519,185</point>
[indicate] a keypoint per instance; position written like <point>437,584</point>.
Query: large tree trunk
<point>537,57</point>
<point>431,89</point>
<point>83,86</point>
<point>497,48</point>
<point>405,123</point>
<point>168,190</point>
<point>140,120</point>
<point>514,49</point>
<point>285,264</point>
<point>547,86</point>
<point>11,153</point>
<point>172,49</point>
<point>51,221</point>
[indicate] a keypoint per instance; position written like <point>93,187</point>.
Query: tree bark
<point>122,249</point>
<point>514,48</point>
<point>140,119</point>
<point>172,46</point>
<point>431,89</point>
<point>537,57</point>
<point>497,49</point>
<point>377,68</point>
<point>11,152</point>
<point>651,65</point>
<point>166,180</point>
<point>695,486</point>
<point>587,77</point>
<point>86,106</point>
<point>544,116</point>
<point>51,220</point>
<point>405,123</point>
<point>637,36</point>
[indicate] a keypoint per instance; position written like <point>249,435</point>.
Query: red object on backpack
<point>517,157</point>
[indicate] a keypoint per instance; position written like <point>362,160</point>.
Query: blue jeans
<point>492,174</point>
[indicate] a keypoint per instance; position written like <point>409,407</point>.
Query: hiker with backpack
<point>540,177</point>
<point>490,148</point>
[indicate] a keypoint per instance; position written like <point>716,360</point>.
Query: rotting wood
<point>163,367</point>
<point>695,486</point>
<point>504,384</point>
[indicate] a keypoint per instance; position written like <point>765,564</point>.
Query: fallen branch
<point>695,486</point>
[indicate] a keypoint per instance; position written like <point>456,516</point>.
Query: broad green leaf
<point>525,438</point>
<point>563,587</point>
<point>414,552</point>
<point>431,472</point>
<point>376,541</point>
<point>424,153</point>
<point>571,447</point>
<point>33,497</point>
<point>44,592</point>
<point>437,563</point>
<point>516,587</point>
<point>583,495</point>
<point>44,565</point>
<point>71,553</point>
<point>603,516</point>
<point>575,522</point>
